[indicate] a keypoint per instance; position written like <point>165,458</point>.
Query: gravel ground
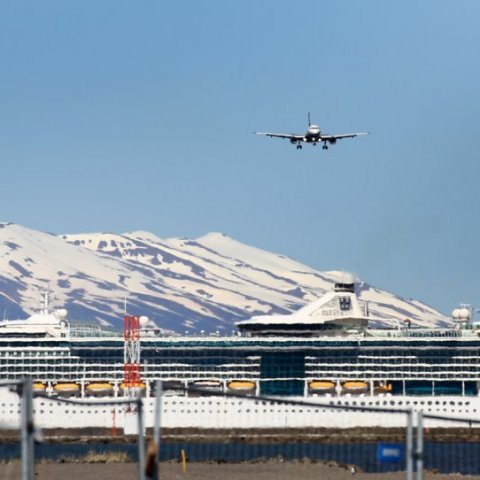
<point>271,470</point>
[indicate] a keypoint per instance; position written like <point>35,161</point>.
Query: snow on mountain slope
<point>181,284</point>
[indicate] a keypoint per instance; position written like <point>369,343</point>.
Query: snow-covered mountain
<point>181,284</point>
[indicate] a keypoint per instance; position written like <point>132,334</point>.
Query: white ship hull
<point>228,413</point>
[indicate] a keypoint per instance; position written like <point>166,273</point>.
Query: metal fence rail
<point>417,445</point>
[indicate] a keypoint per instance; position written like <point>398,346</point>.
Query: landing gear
<point>299,147</point>
<point>325,146</point>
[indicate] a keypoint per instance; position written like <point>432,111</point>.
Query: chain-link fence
<point>199,433</point>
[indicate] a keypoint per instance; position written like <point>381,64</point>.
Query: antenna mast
<point>131,370</point>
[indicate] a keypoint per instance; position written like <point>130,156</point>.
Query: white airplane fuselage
<point>313,134</point>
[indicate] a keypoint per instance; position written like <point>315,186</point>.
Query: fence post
<point>157,426</point>
<point>141,440</point>
<point>419,452</point>
<point>409,449</point>
<point>27,429</point>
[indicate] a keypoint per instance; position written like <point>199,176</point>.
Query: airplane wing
<point>290,136</point>
<point>343,135</point>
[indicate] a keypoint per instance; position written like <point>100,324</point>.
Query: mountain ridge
<point>207,283</point>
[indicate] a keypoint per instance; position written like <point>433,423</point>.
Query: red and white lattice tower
<point>131,370</point>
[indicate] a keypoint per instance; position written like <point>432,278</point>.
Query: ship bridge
<point>337,312</point>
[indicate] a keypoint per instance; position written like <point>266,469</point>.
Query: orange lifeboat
<point>99,388</point>
<point>38,387</point>
<point>67,388</point>
<point>355,386</point>
<point>321,386</point>
<point>241,386</point>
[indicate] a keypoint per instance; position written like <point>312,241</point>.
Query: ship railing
<point>82,330</point>
<point>417,333</point>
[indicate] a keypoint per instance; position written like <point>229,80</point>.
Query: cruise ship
<point>324,354</point>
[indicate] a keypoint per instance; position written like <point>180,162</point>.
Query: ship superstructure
<point>336,313</point>
<point>346,363</point>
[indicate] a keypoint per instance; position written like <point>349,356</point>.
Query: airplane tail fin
<point>309,119</point>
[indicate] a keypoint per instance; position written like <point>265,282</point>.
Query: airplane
<point>313,135</point>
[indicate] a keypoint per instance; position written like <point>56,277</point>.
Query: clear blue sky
<point>120,115</point>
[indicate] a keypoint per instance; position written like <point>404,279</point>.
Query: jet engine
<point>332,141</point>
<point>293,141</point>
